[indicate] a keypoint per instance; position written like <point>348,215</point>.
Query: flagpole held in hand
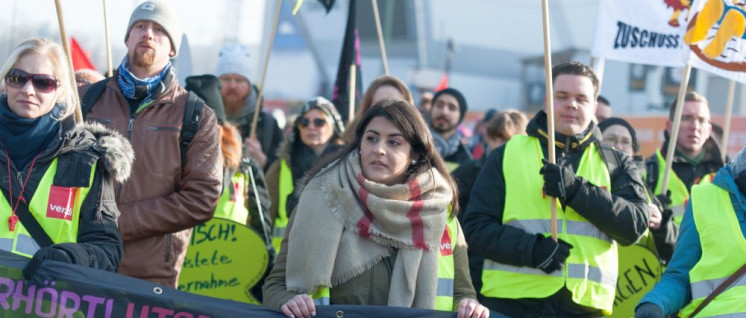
<point>549,102</point>
<point>66,46</point>
<point>353,80</point>
<point>109,69</point>
<point>381,43</point>
<point>728,116</point>
<point>676,124</point>
<point>252,132</point>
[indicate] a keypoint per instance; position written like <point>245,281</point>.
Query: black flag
<point>350,55</point>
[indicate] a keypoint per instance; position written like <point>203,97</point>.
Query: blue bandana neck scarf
<point>135,88</point>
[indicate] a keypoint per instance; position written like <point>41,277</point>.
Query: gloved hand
<point>664,199</point>
<point>45,253</point>
<point>549,255</point>
<point>559,182</point>
<point>648,310</point>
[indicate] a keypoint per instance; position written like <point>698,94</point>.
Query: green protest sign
<point>224,260</point>
<point>639,270</point>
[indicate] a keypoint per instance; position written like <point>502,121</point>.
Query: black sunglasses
<point>42,82</point>
<point>305,122</point>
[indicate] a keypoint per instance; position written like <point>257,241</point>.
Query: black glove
<point>648,310</point>
<point>559,181</point>
<point>549,255</point>
<point>45,253</point>
<point>664,199</point>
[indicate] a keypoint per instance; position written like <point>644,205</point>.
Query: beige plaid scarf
<point>345,224</point>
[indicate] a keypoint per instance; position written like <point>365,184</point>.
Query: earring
<point>414,161</point>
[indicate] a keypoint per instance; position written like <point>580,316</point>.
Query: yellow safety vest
<point>451,166</point>
<point>591,269</point>
<point>57,209</point>
<point>679,192</point>
<point>446,269</point>
<point>285,186</point>
<point>723,252</point>
<point>232,204</point>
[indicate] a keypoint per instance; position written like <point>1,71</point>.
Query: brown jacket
<point>162,200</point>
<point>370,287</point>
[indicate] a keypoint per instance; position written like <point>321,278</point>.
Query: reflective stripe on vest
<point>285,186</point>
<point>321,297</point>
<point>232,204</point>
<point>57,209</point>
<point>446,270</point>
<point>591,270</point>
<point>723,252</point>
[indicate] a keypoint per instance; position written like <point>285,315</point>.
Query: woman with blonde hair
<point>385,86</point>
<point>372,226</point>
<point>57,199</point>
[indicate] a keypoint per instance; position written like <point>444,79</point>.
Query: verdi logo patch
<point>60,205</point>
<point>445,243</point>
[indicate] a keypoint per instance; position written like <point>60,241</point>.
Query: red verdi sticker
<point>60,204</point>
<point>445,244</point>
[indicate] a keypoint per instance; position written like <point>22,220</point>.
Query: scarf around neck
<point>345,224</point>
<point>446,147</point>
<point>146,89</point>
<point>24,138</point>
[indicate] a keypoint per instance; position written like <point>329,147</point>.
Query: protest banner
<point>66,291</point>
<point>715,35</point>
<point>639,271</point>
<point>225,260</point>
<point>640,31</point>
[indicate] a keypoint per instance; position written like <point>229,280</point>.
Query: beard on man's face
<point>144,59</point>
<point>442,125</point>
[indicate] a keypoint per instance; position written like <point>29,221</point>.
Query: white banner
<point>641,31</point>
<point>715,34</point>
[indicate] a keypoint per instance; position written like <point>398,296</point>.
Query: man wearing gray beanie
<point>710,249</point>
<point>239,98</point>
<point>447,112</point>
<point>168,193</point>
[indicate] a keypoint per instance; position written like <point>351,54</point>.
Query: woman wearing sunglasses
<point>317,131</point>
<point>57,178</point>
<point>372,226</point>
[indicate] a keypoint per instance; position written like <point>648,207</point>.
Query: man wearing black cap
<point>449,107</point>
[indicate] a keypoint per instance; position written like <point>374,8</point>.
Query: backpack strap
<point>92,95</point>
<point>611,158</point>
<point>268,132</point>
<point>192,114</point>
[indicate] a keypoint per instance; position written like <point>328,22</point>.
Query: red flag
<point>80,58</point>
<point>443,83</point>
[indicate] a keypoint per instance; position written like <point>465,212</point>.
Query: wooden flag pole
<point>598,64</point>
<point>109,69</point>
<point>66,46</point>
<point>728,116</point>
<point>550,102</point>
<point>381,43</point>
<point>352,96</point>
<point>675,129</point>
<point>252,132</point>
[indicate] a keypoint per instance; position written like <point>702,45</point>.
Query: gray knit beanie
<point>234,59</point>
<point>162,13</point>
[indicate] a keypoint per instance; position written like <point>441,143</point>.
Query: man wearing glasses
<point>696,159</point>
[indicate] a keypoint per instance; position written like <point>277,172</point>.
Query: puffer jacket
<point>621,214</point>
<point>77,148</point>
<point>162,200</point>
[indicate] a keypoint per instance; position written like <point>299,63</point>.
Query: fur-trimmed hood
<point>114,150</point>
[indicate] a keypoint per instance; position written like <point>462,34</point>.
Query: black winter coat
<point>621,214</point>
<point>99,244</point>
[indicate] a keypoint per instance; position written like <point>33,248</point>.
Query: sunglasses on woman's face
<point>305,122</point>
<point>42,82</point>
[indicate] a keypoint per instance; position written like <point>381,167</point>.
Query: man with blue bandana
<point>169,192</point>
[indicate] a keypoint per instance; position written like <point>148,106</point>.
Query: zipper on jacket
<point>156,128</point>
<point>130,125</point>
<point>168,247</point>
